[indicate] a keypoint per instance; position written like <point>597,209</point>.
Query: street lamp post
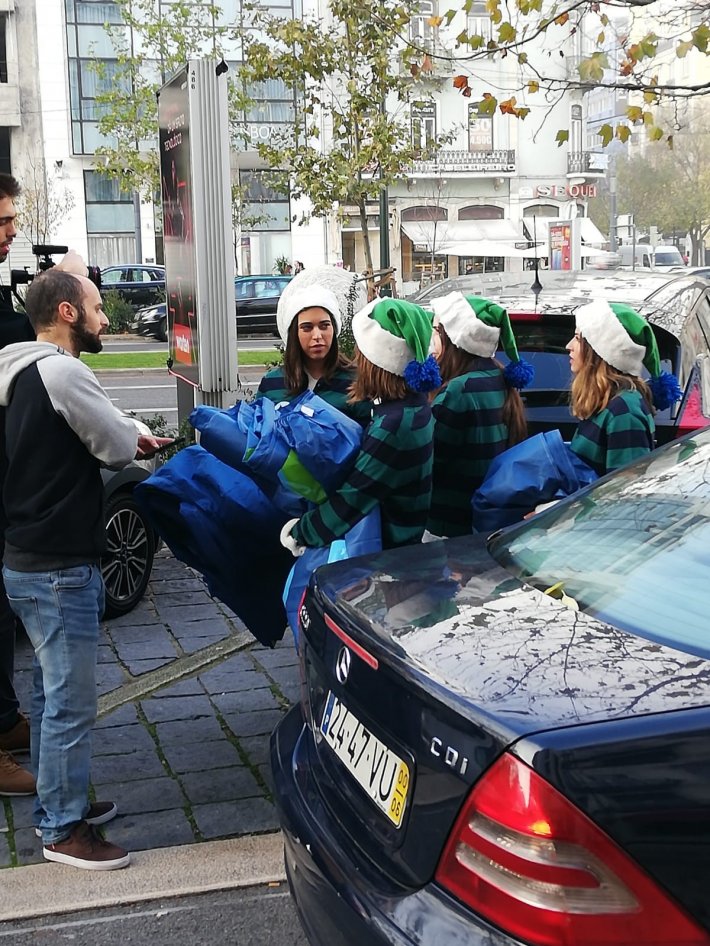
<point>612,203</point>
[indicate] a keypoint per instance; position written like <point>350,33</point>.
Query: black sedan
<point>138,284</point>
<point>507,741</point>
<point>255,300</point>
<point>678,310</point>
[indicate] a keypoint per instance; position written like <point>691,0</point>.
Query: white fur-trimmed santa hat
<point>625,340</point>
<point>309,297</point>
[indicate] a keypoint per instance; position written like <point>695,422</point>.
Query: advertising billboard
<point>178,227</point>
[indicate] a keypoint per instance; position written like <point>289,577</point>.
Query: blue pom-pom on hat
<point>519,373</point>
<point>423,375</point>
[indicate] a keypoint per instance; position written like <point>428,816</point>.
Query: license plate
<point>381,773</point>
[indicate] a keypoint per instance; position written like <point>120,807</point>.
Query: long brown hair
<point>372,382</point>
<point>455,361</point>
<point>295,377</point>
<point>597,382</point>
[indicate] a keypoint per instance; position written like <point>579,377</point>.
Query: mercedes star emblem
<point>342,665</point>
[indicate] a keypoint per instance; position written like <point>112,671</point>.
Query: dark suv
<point>678,310</point>
<point>139,285</point>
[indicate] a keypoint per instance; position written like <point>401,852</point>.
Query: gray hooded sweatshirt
<point>59,428</point>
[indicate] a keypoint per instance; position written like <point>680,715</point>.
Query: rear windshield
<point>634,551</point>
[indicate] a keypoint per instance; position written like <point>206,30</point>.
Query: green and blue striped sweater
<point>469,432</point>
<point>393,470</point>
<point>622,432</point>
<point>334,390</point>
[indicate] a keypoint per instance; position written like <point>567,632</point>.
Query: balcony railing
<point>466,162</point>
<point>587,162</point>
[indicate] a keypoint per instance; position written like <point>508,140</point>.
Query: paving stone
<point>234,681</point>
<point>227,819</point>
<point>28,847</point>
<point>191,645</point>
<point>22,809</point>
<point>285,676</point>
<point>146,633</point>
<point>141,832</point>
<point>193,597</point>
<point>267,775</point>
<point>121,716</point>
<point>162,646</point>
<point>5,857</point>
<point>150,794</point>
<point>200,612</point>
<point>104,655</point>
<point>121,739</point>
<point>196,756</point>
<point>283,657</point>
<point>3,817</point>
<point>245,701</point>
<point>213,785</point>
<point>257,748</point>
<point>160,587</point>
<point>184,627</point>
<point>128,766</point>
<point>292,692</point>
<point>137,668</point>
<point>253,724</point>
<point>196,730</point>
<point>109,677</point>
<point>189,687</point>
<point>180,707</point>
<point>143,613</point>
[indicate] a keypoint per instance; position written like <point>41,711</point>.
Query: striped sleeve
<point>621,433</point>
<point>392,470</point>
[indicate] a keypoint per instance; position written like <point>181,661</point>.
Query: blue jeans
<point>61,612</point>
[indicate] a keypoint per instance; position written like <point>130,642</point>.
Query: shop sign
<point>566,190</point>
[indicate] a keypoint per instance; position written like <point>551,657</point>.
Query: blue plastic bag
<point>537,470</point>
<point>218,521</point>
<point>364,537</point>
<point>300,450</point>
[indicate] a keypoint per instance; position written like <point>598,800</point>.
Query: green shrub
<point>119,313</point>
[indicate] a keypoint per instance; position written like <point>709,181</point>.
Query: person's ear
<point>67,312</point>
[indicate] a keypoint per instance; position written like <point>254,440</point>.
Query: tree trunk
<point>369,268</point>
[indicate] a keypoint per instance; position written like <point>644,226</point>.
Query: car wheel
<point>128,560</point>
<point>162,332</point>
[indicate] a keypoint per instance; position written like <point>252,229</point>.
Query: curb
<point>163,872</point>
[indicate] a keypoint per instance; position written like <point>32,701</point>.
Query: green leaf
<point>655,133</point>
<point>606,133</point>
<point>701,37</point>
<point>507,33</point>
<point>561,136</point>
<point>592,68</point>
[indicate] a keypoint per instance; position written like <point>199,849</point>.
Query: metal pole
<point>137,226</point>
<point>384,223</point>
<point>612,204</point>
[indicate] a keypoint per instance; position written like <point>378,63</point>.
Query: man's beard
<point>82,338</point>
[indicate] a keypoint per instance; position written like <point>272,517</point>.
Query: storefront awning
<point>463,237</point>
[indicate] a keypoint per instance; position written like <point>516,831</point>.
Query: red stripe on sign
<point>354,647</point>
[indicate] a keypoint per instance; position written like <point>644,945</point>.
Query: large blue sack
<point>364,537</point>
<point>537,470</point>
<point>218,521</point>
<point>302,448</point>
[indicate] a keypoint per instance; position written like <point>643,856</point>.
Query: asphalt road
<point>253,916</point>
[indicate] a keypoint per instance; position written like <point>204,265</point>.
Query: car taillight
<point>691,416</point>
<point>525,858</point>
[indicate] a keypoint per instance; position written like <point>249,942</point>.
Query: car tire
<point>130,546</point>
<point>162,332</point>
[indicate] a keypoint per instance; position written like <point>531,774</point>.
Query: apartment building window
<point>479,21</point>
<point>88,40</point>
<point>421,32</point>
<point>110,221</point>
<point>5,163</point>
<point>272,112</point>
<point>423,125</point>
<point>267,204</point>
<point>480,129</point>
<point>3,49</point>
<point>575,135</point>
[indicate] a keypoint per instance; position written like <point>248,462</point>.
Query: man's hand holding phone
<point>150,446</point>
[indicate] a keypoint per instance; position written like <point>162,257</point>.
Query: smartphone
<point>178,442</point>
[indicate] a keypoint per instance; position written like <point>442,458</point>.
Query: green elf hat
<point>625,340</point>
<point>480,327</point>
<point>395,335</point>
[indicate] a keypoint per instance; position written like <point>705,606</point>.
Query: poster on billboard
<point>564,238</point>
<point>179,227</point>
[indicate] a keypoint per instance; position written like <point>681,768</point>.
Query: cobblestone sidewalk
<point>182,747</point>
